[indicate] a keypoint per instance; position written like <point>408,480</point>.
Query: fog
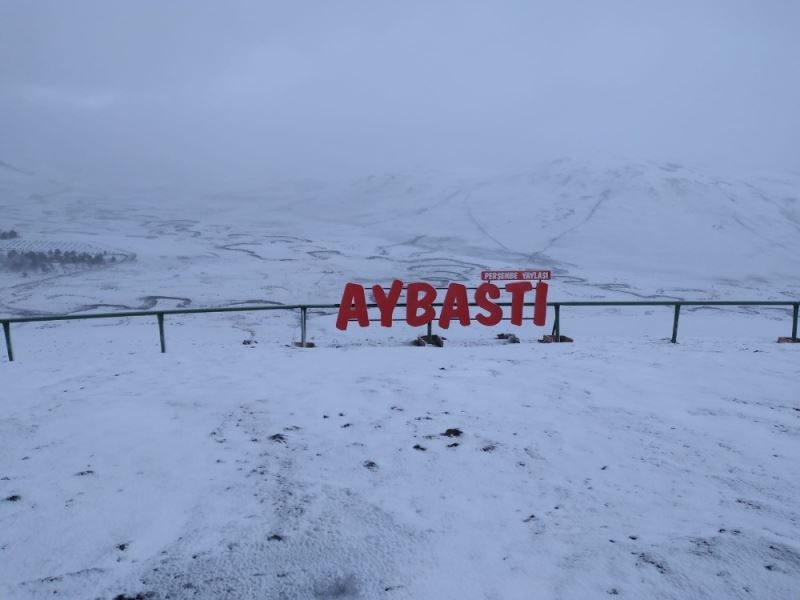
<point>225,93</point>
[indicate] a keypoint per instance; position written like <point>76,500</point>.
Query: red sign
<point>421,297</point>
<point>516,275</point>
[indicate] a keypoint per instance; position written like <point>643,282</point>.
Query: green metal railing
<point>305,308</point>
<point>677,304</point>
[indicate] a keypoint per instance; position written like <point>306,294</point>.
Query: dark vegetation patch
<point>31,260</point>
<point>785,554</point>
<point>647,559</point>
<point>702,547</point>
<point>339,587</point>
<point>278,437</point>
<point>420,448</point>
<point>371,465</point>
<point>14,498</point>
<point>453,432</point>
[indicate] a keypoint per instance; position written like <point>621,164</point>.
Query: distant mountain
<point>617,230</point>
<point>647,225</point>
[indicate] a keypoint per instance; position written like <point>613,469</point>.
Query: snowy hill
<point>636,230</point>
<point>617,466</point>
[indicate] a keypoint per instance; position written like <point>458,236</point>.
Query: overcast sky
<point>217,91</point>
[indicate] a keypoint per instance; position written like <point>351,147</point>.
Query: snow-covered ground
<point>618,465</point>
<point>636,468</point>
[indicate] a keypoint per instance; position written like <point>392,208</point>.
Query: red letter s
<point>483,294</point>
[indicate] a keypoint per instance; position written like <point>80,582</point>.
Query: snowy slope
<point>620,465</point>
<point>637,469</point>
<point>615,231</point>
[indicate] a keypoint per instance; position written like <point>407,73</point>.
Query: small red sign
<point>516,275</point>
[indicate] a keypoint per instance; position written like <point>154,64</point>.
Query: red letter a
<point>455,305</point>
<point>387,302</point>
<point>353,307</point>
<point>414,303</point>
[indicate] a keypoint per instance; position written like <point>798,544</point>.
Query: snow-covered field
<point>631,231</point>
<point>620,465</point>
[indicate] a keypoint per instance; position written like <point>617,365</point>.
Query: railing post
<point>557,324</point>
<point>160,317</point>
<point>10,350</point>
<point>430,332</point>
<point>795,309</point>
<point>303,315</point>
<point>675,324</point>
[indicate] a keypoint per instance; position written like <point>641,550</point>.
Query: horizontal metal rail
<point>249,308</point>
<point>304,308</point>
